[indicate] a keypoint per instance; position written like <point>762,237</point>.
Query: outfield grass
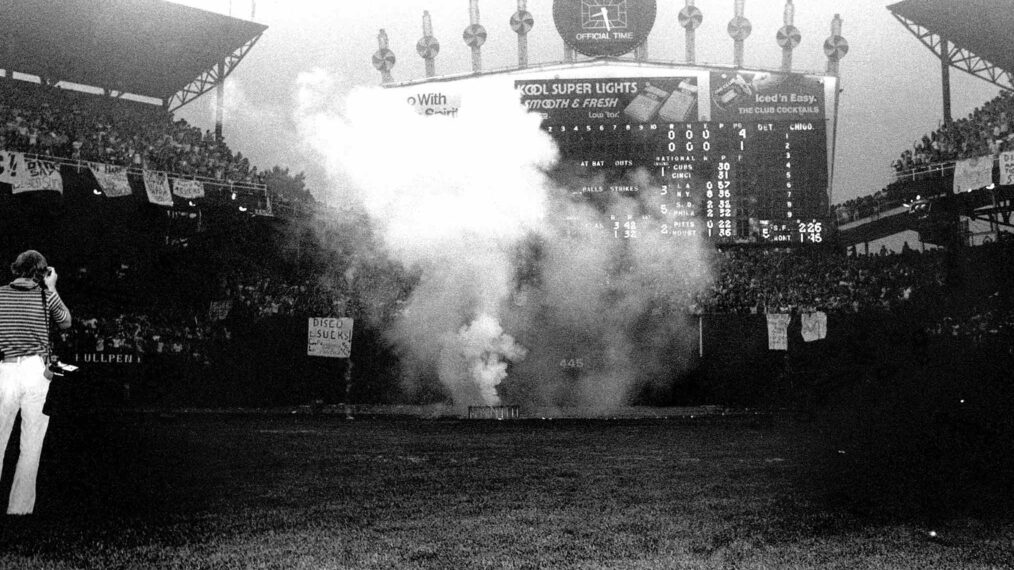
<point>301,491</point>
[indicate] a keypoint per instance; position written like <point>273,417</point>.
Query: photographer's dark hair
<point>30,264</point>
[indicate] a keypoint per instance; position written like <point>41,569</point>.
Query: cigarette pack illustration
<point>644,107</point>
<point>740,89</point>
<point>729,93</point>
<point>680,105</point>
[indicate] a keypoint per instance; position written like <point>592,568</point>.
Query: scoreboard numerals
<point>721,228</point>
<point>811,232</point>
<point>724,181</point>
<point>725,228</point>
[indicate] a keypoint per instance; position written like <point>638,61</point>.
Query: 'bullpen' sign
<point>328,336</point>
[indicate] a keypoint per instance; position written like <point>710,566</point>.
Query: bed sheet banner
<point>329,336</point>
<point>219,310</point>
<point>112,180</point>
<point>1006,169</point>
<point>973,173</point>
<point>38,175</point>
<point>11,164</point>
<point>29,174</point>
<point>778,331</point>
<point>156,184</point>
<point>188,189</point>
<point>814,326</point>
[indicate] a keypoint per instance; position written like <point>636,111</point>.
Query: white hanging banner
<point>1006,168</point>
<point>973,173</point>
<point>329,336</point>
<point>112,180</point>
<point>12,164</point>
<point>156,184</point>
<point>814,326</point>
<point>188,189</point>
<point>38,175</point>
<point>778,331</point>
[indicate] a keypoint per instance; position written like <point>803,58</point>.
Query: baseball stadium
<point>579,290</point>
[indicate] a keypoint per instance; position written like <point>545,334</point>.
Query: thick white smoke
<point>524,296</point>
<point>453,197</point>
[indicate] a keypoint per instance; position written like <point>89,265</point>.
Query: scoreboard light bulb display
<point>724,156</point>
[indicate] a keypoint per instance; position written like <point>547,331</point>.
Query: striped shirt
<point>23,329</point>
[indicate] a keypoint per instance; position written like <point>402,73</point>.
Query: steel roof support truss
<point>960,58</point>
<point>210,78</point>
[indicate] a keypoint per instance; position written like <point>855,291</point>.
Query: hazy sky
<point>891,81</point>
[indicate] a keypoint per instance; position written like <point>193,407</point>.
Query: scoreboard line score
<point>746,161</point>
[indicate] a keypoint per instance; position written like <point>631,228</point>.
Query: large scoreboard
<point>726,155</point>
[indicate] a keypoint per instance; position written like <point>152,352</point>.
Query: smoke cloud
<point>524,295</point>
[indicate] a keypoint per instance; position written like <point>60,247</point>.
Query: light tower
<point>835,47</point>
<point>383,59</point>
<point>788,37</point>
<point>690,18</point>
<point>522,22</point>
<point>739,29</point>
<point>428,47</point>
<point>474,35</point>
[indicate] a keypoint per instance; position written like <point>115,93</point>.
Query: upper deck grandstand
<point>970,37</point>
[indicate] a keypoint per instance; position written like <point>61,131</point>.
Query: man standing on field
<point>27,307</point>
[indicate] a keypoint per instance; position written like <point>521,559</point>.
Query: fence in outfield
<point>266,365</point>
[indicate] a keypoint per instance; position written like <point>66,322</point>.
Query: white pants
<point>23,386</point>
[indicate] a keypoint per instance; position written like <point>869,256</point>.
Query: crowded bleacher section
<point>63,123</point>
<point>987,131</point>
<point>69,125</point>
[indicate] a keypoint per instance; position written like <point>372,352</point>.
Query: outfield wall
<point>266,366</point>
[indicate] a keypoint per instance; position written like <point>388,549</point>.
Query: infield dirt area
<point>260,490</point>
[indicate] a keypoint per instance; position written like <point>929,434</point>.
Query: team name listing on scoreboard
<point>744,161</point>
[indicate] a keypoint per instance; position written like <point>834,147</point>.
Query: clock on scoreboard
<point>745,162</point>
<point>604,27</point>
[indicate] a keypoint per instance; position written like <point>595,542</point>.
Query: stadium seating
<point>62,123</point>
<point>988,130</point>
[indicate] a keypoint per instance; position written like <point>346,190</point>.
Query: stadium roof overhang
<point>150,48</point>
<point>971,35</point>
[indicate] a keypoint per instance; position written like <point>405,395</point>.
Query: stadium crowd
<point>752,281</point>
<point>54,122</point>
<point>188,330</point>
<point>774,280</point>
<point>987,131</point>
